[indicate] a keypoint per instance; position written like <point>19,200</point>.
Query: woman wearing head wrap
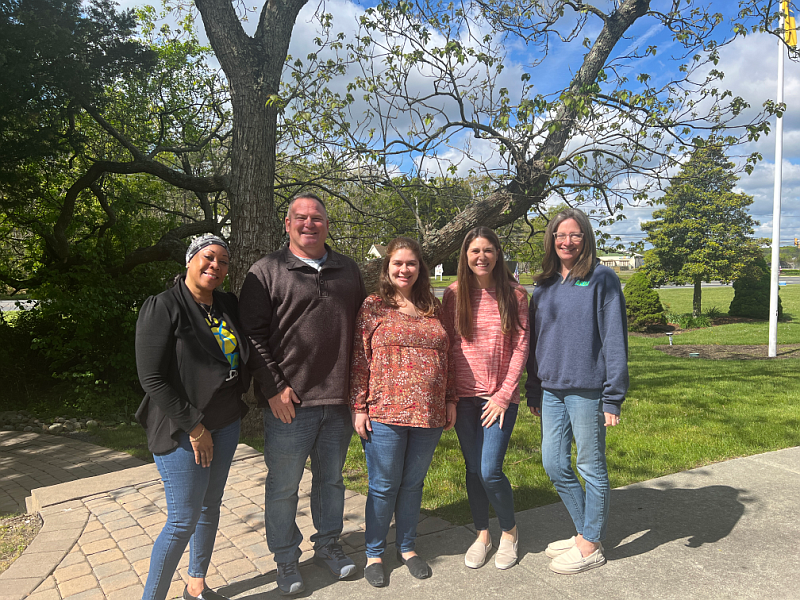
<point>191,358</point>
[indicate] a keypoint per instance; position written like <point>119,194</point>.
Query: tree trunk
<point>697,298</point>
<point>253,66</point>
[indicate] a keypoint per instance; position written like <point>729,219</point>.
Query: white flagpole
<point>776,210</point>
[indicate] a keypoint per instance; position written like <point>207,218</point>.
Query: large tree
<point>425,90</point>
<point>703,232</point>
<point>137,157</point>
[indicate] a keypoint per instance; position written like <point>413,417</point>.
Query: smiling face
<point>307,226</point>
<point>206,271</point>
<point>481,259</point>
<point>568,249</point>
<point>403,271</point>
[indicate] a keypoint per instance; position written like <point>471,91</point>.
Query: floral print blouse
<point>400,372</point>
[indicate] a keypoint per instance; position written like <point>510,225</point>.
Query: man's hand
<point>282,404</point>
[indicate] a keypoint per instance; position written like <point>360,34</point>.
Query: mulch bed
<point>715,352</point>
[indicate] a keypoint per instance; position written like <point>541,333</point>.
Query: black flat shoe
<point>416,566</point>
<point>207,594</point>
<point>374,575</point>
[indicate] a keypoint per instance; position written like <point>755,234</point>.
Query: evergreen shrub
<point>645,311</point>
<point>751,293</point>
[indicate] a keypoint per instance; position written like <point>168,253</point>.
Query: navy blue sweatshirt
<point>579,338</point>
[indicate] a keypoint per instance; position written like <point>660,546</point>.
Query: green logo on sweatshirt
<point>581,283</point>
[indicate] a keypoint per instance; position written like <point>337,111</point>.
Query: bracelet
<point>191,439</point>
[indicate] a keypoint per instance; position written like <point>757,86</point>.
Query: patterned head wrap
<point>202,242</point>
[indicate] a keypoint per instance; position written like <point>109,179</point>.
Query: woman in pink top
<point>486,315</point>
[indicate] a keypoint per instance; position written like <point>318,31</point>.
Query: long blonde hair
<point>504,291</point>
<point>421,294</point>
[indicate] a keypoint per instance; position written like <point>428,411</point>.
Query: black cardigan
<point>180,363</point>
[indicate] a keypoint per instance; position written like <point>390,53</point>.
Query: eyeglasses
<point>573,237</point>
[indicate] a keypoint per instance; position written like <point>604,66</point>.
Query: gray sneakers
<point>333,557</point>
<point>289,580</point>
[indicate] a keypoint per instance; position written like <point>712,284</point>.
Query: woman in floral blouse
<point>402,395</point>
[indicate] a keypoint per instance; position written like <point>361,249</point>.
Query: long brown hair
<point>587,259</point>
<point>421,294</point>
<point>504,291</point>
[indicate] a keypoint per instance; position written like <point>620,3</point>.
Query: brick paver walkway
<point>98,534</point>
<point>33,460</point>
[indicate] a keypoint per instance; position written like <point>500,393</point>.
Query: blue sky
<point>750,66</point>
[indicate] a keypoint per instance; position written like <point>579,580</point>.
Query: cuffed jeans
<point>323,433</point>
<point>194,495</point>
<point>484,449</point>
<point>398,458</point>
<point>578,414</point>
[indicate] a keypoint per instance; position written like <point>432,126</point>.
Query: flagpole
<point>776,210</point>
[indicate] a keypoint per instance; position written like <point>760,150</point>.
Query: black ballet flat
<point>416,566</point>
<point>374,575</point>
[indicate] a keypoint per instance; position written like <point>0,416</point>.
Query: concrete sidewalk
<point>722,531</point>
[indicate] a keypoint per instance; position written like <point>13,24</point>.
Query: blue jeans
<point>484,449</point>
<point>323,433</point>
<point>194,495</point>
<point>578,414</point>
<point>398,458</point>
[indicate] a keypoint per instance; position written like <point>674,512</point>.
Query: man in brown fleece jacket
<point>298,306</point>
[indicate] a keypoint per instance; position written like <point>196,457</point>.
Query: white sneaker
<point>572,562</point>
<point>559,547</point>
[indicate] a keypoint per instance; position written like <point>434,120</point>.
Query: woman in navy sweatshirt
<point>577,379</point>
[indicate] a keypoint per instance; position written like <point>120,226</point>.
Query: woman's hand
<point>202,445</point>
<point>536,411</point>
<point>449,416</point>
<point>362,424</point>
<point>611,419</point>
<point>491,413</point>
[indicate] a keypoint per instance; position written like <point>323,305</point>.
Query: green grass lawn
<point>679,300</point>
<point>680,413</point>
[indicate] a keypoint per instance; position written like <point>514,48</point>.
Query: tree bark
<point>697,298</point>
<point>253,66</point>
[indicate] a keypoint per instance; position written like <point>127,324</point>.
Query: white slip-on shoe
<point>506,556</point>
<point>559,547</point>
<point>475,557</point>
<point>572,562</point>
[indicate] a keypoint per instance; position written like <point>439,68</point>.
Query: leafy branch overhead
<point>120,143</point>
